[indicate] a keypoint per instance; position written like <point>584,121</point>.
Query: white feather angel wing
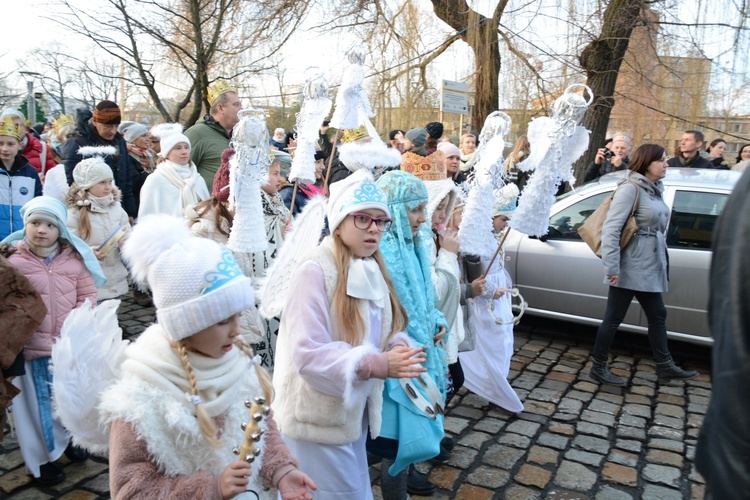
<point>55,183</point>
<point>302,239</point>
<point>538,135</point>
<point>578,143</point>
<point>86,360</point>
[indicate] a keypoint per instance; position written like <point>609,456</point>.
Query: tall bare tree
<point>182,47</point>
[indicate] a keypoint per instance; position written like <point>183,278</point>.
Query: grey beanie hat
<point>132,130</point>
<point>417,136</point>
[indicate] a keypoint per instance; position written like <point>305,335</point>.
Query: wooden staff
<point>291,205</point>
<point>497,252</point>
<point>330,160</point>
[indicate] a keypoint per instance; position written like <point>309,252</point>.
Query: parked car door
<point>689,236</point>
<point>559,275</point>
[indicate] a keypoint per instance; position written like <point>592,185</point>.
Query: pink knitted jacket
<point>64,285</point>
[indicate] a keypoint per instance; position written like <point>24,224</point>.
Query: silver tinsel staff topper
<point>475,233</point>
<point>315,107</point>
<point>248,170</point>
<point>556,143</point>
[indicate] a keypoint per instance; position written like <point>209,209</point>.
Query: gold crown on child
<point>354,134</point>
<point>219,87</point>
<point>8,128</point>
<point>63,120</point>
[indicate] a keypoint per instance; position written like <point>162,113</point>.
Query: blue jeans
<point>618,302</point>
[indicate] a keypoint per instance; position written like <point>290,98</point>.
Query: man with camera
<point>611,158</point>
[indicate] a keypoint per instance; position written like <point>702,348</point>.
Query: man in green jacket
<point>210,137</point>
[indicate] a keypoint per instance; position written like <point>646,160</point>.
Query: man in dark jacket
<point>690,146</point>
<point>723,453</point>
<point>613,157</point>
<point>100,129</point>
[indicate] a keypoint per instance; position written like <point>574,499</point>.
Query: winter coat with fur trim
<point>156,446</point>
<point>64,285</point>
<point>103,223</point>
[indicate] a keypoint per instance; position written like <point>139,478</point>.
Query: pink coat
<point>64,285</point>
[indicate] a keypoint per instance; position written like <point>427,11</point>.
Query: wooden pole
<point>291,205</point>
<point>330,161</point>
<point>497,252</point>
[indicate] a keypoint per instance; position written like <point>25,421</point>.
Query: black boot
<point>76,454</point>
<point>667,370</point>
<point>50,474</point>
<point>446,450</point>
<point>600,372</point>
<point>418,484</point>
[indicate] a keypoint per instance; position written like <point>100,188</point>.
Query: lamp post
<point>30,102</point>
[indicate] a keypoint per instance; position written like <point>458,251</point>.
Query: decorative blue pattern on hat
<point>368,192</point>
<point>226,270</point>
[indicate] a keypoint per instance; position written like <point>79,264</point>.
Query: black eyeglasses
<point>364,222</point>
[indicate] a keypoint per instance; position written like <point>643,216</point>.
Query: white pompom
<point>152,236</point>
<point>87,151</point>
<point>166,129</point>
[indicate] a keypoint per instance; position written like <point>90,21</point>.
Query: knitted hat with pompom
<point>196,283</point>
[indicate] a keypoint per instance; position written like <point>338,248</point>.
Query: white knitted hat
<point>196,282</point>
<point>91,171</point>
<point>352,194</point>
<point>170,135</point>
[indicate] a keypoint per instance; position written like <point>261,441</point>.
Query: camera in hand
<point>608,153</point>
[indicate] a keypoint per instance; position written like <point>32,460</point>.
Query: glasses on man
<point>364,222</point>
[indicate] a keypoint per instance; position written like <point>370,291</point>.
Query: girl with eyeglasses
<point>343,336</point>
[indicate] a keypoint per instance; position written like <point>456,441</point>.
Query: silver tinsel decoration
<point>248,170</point>
<point>475,233</point>
<point>556,143</point>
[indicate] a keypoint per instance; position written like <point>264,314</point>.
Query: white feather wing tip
<point>301,240</point>
<point>153,235</point>
<point>85,361</point>
<point>87,151</point>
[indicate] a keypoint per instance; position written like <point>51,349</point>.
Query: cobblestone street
<point>575,439</point>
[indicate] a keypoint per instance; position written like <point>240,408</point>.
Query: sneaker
<point>50,474</point>
<point>418,484</point>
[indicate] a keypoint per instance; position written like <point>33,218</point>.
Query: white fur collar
<point>152,393</point>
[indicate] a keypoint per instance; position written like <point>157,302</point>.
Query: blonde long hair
<point>345,310</point>
<point>205,422</point>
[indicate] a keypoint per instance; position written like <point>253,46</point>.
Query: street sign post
<point>454,98</point>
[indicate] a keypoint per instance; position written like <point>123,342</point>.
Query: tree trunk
<point>602,59</point>
<point>481,33</point>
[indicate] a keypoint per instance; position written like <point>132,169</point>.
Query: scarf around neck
<point>183,177</point>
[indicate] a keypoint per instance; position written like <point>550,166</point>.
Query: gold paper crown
<point>8,128</point>
<point>431,168</point>
<point>219,87</point>
<point>354,134</point>
<point>63,120</point>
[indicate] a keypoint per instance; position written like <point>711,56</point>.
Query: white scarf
<point>467,161</point>
<point>183,177</point>
<point>153,395</point>
<point>365,281</point>
<point>100,201</point>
